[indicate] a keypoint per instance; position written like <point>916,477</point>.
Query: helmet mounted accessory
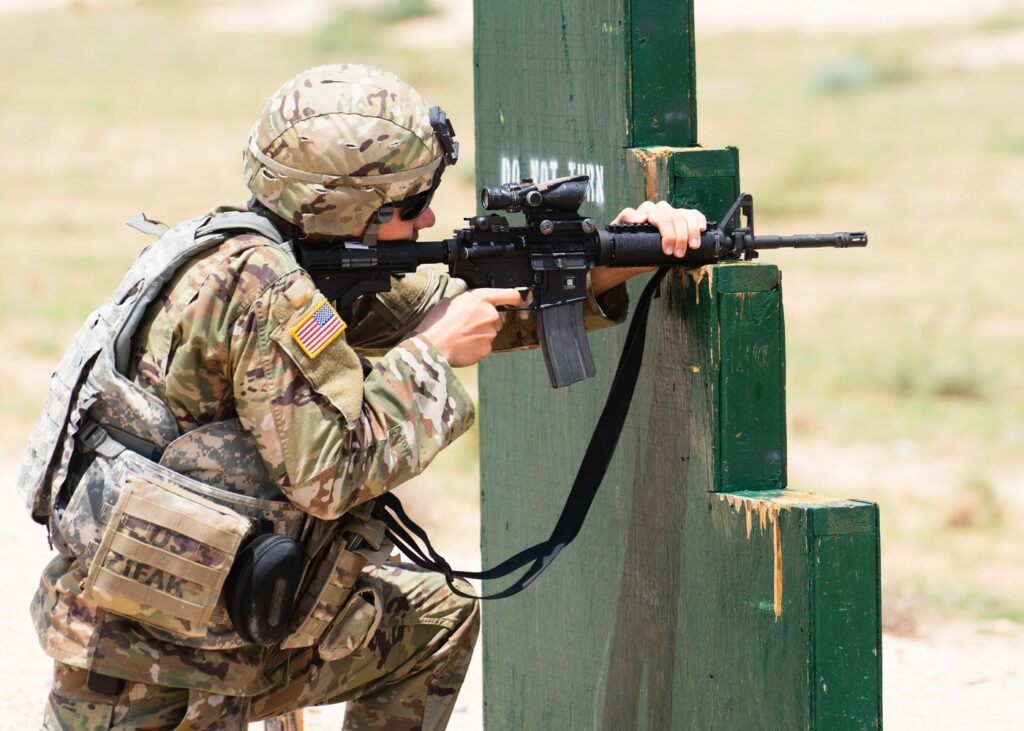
<point>412,206</point>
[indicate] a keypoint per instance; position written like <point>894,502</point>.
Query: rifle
<point>550,256</point>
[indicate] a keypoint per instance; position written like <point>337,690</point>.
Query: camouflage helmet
<point>337,143</point>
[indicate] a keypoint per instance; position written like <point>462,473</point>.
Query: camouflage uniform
<point>216,346</point>
<point>407,677</point>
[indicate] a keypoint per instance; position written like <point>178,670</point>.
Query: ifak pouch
<point>165,553</point>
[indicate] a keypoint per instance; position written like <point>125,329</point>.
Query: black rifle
<point>550,255</point>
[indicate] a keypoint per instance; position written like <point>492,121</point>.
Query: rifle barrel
<point>641,245</point>
<point>839,240</point>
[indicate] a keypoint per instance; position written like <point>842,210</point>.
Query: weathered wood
<point>699,594</point>
<point>751,408</point>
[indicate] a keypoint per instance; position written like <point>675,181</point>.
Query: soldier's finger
<point>668,236</point>
<point>672,227</point>
<point>630,215</point>
<point>696,222</point>
<point>682,233</point>
<point>667,224</point>
<point>497,297</point>
<point>656,215</point>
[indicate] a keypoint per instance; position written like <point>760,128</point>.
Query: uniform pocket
<point>355,624</point>
<point>330,587</point>
<point>351,546</point>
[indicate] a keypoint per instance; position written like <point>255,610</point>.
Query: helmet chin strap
<point>384,214</point>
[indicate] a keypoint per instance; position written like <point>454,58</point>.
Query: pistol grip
<point>563,341</point>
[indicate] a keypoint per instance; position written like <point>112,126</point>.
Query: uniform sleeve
<point>383,319</point>
<point>380,321</point>
<point>331,439</point>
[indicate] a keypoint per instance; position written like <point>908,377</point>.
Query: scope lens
<point>497,198</point>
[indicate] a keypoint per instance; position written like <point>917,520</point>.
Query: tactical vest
<point>157,516</point>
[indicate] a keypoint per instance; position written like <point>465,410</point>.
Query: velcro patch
<point>299,293</point>
<point>318,329</point>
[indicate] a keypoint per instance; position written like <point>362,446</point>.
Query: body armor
<point>157,517</point>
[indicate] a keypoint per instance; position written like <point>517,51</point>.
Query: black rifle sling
<point>405,532</point>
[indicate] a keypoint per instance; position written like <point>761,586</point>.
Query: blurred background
<point>905,375</point>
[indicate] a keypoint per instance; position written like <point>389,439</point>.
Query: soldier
<point>215,427</point>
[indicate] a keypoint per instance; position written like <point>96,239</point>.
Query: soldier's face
<point>398,230</point>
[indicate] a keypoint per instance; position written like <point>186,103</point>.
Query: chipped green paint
<point>699,594</point>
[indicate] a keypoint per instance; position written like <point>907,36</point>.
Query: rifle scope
<point>563,194</point>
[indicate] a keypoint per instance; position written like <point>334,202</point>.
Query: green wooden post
<point>700,594</point>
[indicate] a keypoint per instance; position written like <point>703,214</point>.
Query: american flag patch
<point>318,329</point>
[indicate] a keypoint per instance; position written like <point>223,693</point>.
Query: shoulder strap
<point>404,532</point>
<point>241,221</point>
<point>207,233</point>
<point>144,224</point>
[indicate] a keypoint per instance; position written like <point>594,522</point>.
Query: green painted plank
<point>822,634</point>
<point>836,523</point>
<point>847,628</point>
<point>753,418</point>
<point>737,316</point>
<point>705,179</point>
<point>856,516</point>
<point>707,163</point>
<point>747,278</point>
<point>662,76</point>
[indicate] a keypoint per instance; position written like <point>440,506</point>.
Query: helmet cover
<point>337,142</point>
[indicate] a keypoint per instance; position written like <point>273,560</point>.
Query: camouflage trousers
<point>407,677</point>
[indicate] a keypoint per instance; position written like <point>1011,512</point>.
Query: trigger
<point>528,304</point>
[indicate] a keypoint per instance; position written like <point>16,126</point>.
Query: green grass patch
<point>355,28</point>
<point>925,372</point>
<point>1000,23</point>
<point>1005,141</point>
<point>981,602</point>
<point>398,10</point>
<point>863,71</point>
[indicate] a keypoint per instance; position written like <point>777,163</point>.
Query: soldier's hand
<point>679,228</point>
<point>463,328</point>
